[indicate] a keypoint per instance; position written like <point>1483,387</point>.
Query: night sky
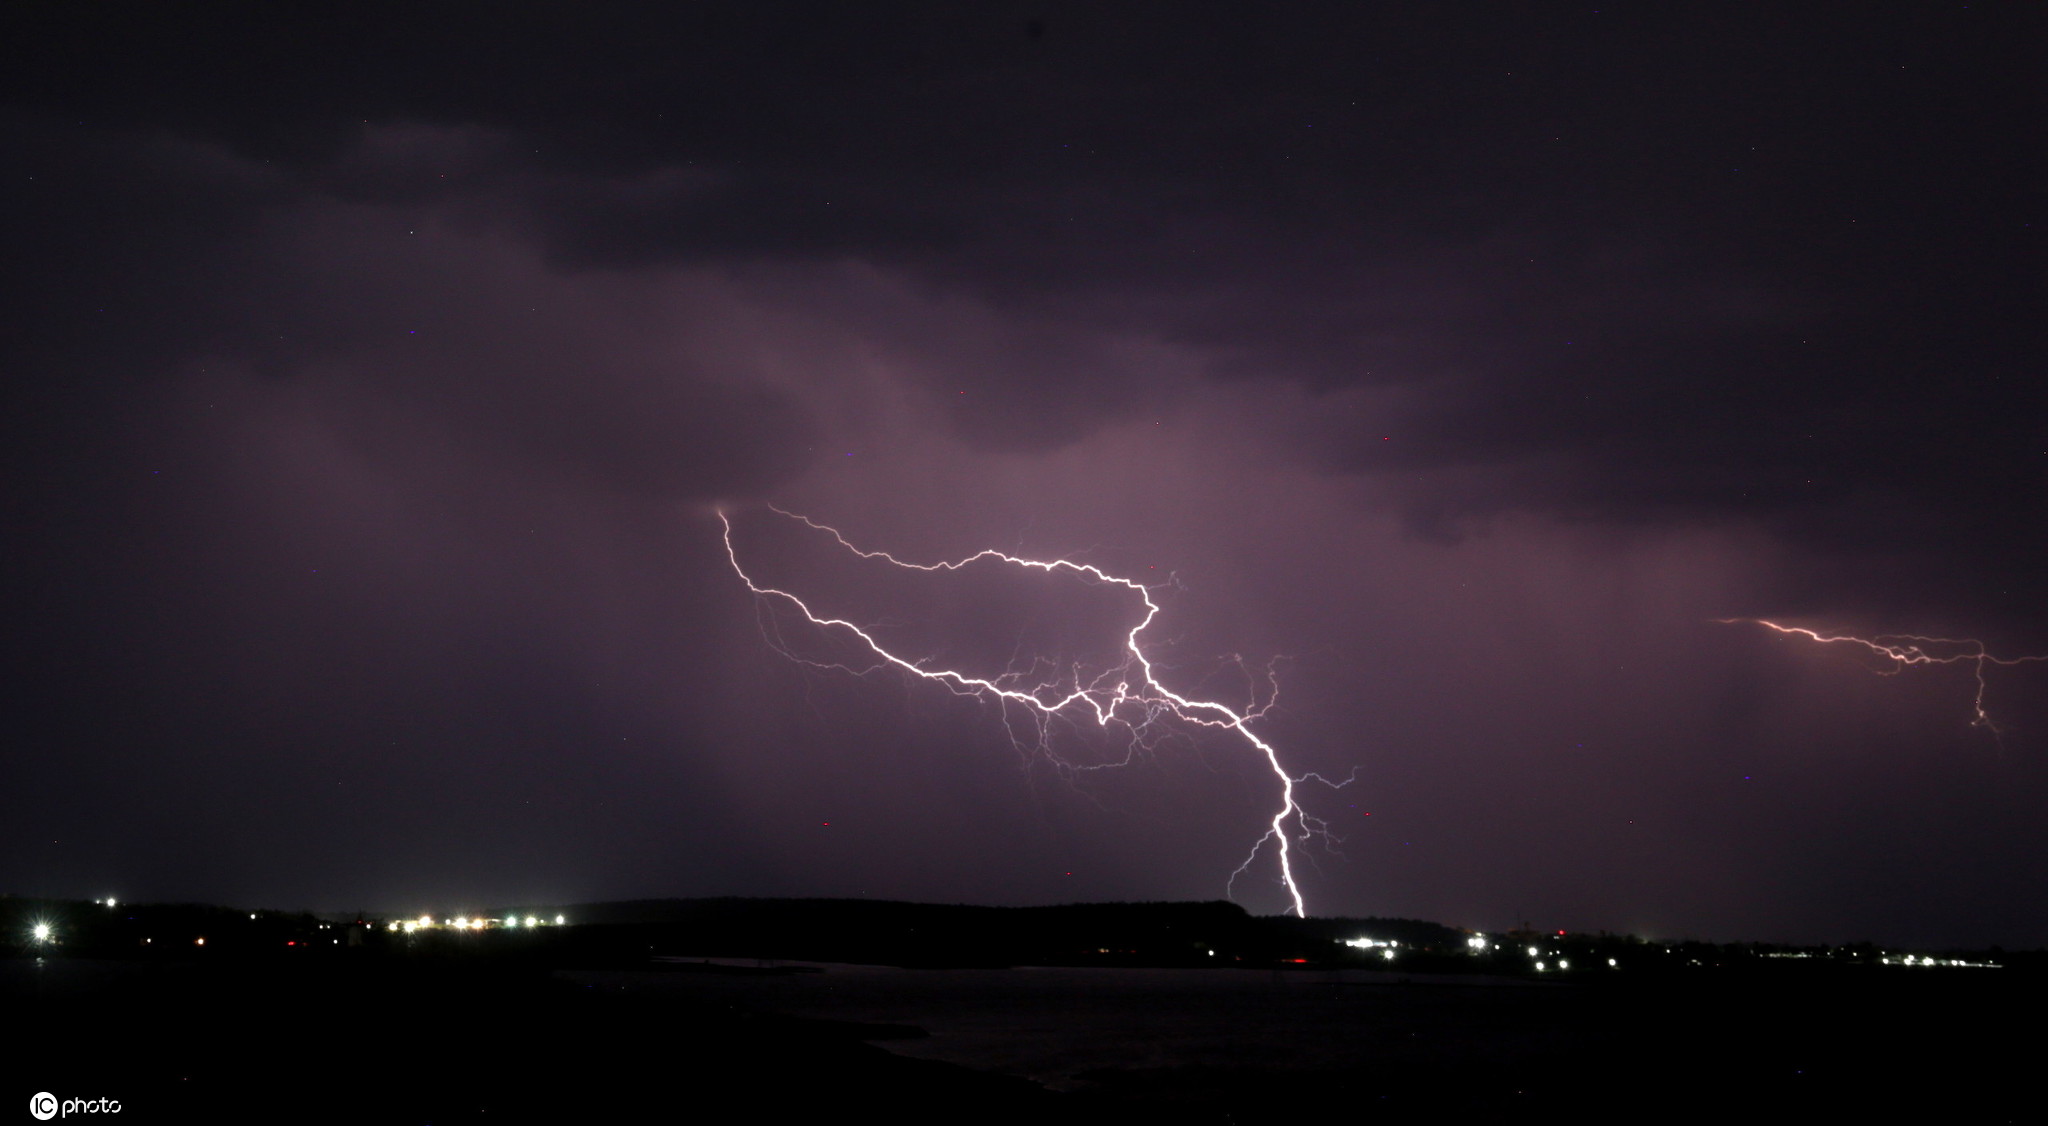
<point>373,383</point>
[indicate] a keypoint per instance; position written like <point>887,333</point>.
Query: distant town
<point>1083,1014</point>
<point>656,932</point>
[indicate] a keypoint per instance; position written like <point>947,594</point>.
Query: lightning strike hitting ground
<point>1126,695</point>
<point>1904,650</point>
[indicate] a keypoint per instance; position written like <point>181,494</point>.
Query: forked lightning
<point>1905,650</point>
<point>1127,695</point>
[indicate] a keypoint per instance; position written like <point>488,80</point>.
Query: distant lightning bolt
<point>1905,650</point>
<point>1127,695</point>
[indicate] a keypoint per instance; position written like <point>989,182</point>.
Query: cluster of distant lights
<point>473,923</point>
<point>1476,943</point>
<point>45,933</point>
<point>1547,961</point>
<point>1384,946</point>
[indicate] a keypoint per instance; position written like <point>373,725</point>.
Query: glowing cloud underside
<point>1906,650</point>
<point>1127,695</point>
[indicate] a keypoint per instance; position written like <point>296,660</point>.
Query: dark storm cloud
<point>281,449</point>
<point>1707,266</point>
<point>152,253</point>
<point>1703,267</point>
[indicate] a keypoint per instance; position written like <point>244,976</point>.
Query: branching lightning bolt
<point>1126,695</point>
<point>1905,650</point>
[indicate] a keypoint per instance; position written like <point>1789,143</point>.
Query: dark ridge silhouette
<point>622,1007</point>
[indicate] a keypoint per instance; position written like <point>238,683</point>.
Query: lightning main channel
<point>1906,650</point>
<point>1127,694</point>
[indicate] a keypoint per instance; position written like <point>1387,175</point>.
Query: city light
<point>42,932</point>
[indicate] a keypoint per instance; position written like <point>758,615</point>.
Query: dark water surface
<point>1242,1045</point>
<point>457,1041</point>
<point>1057,1026</point>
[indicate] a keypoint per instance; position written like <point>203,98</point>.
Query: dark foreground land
<point>608,1021</point>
